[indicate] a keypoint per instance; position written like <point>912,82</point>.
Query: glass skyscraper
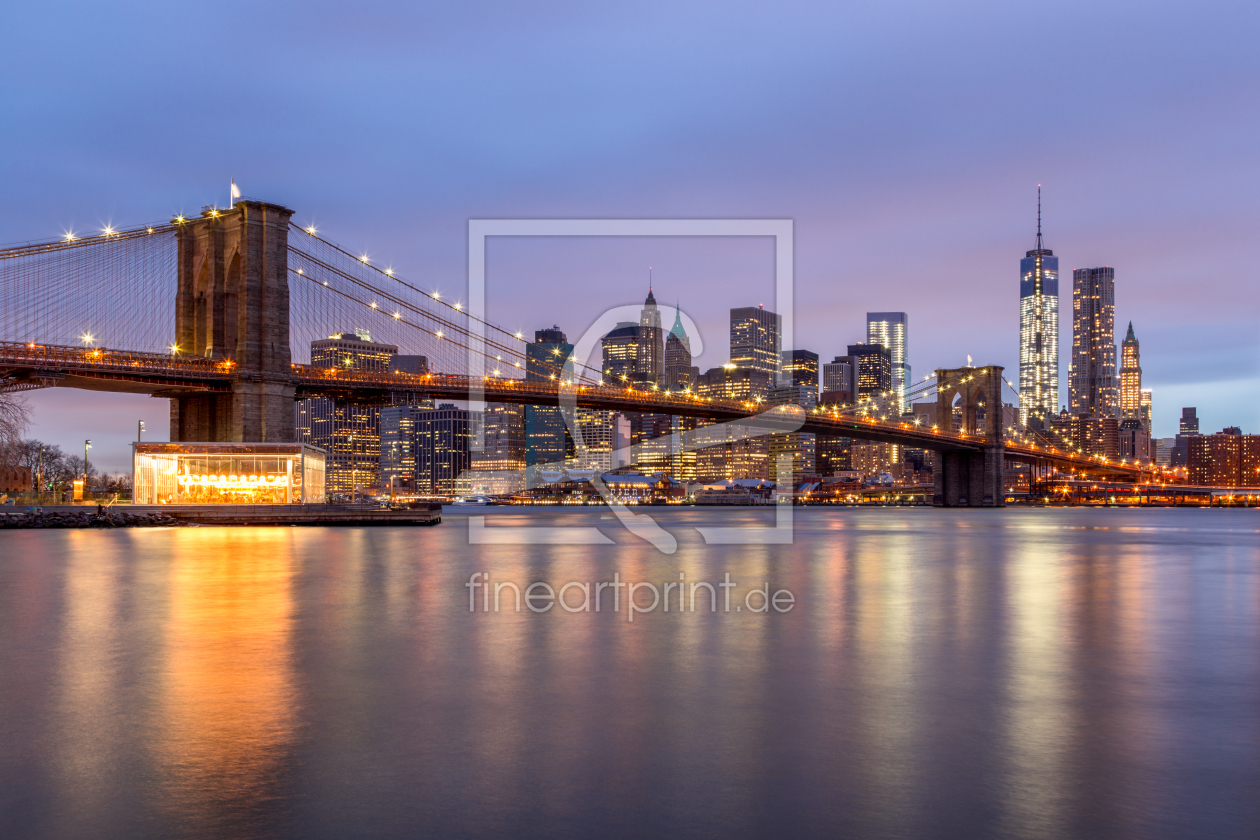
<point>756,336</point>
<point>1038,332</point>
<point>889,329</point>
<point>1092,376</point>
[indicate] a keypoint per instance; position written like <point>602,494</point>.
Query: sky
<point>905,141</point>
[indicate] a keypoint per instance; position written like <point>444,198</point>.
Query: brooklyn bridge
<point>216,313</point>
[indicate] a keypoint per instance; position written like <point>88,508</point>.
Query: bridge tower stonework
<point>232,304</point>
<point>971,478</point>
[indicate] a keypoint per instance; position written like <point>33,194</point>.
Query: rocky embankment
<point>87,519</point>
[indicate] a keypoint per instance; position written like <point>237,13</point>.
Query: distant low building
<point>1226,459</point>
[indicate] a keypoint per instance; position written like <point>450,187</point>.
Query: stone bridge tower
<point>970,478</point>
<point>232,304</point>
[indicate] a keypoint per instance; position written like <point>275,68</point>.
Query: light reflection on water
<point>976,673</point>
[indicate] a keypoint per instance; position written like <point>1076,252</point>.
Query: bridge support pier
<point>970,398</point>
<point>969,479</point>
<point>232,304</point>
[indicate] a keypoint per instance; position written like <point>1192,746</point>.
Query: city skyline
<point>923,221</point>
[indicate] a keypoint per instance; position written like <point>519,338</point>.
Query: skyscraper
<point>547,440</point>
<point>349,432</point>
<point>651,357</point>
<point>1038,332</point>
<point>1092,377</point>
<point>801,368</point>
<point>621,353</point>
<point>679,374</point>
<point>839,376</point>
<point>499,467</point>
<point>756,340</point>
<point>1130,377</point>
<point>889,329</point>
<point>874,371</point>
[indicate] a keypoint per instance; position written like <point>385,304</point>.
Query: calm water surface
<point>1019,673</point>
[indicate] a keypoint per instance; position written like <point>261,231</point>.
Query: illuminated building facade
<point>349,432</point>
<point>1130,377</point>
<point>227,473</point>
<point>650,367</point>
<point>1038,332</point>
<point>657,440</point>
<point>756,340</point>
<point>800,367</point>
<point>733,383</point>
<point>800,447</point>
<point>598,431</point>
<point>1092,385</point>
<point>734,458</point>
<point>889,330</point>
<point>839,377</point>
<point>547,440</point>
<point>874,371</point>
<point>621,353</point>
<point>498,468</point>
<point>1226,459</point>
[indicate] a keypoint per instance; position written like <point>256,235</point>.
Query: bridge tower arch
<point>969,478</point>
<point>232,304</point>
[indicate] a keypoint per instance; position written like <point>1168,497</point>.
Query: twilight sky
<point>905,139</point>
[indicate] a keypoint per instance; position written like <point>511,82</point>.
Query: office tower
<point>658,446</point>
<point>840,377</point>
<point>349,432</point>
<point>1092,377</point>
<point>621,353</point>
<point>547,440</point>
<point>756,339</point>
<point>799,447</point>
<point>1189,424</point>
<point>834,455</point>
<point>1038,332</point>
<point>443,438</point>
<point>1144,409</point>
<point>874,373</point>
<point>1187,429</point>
<point>732,457</point>
<point>889,329</point>
<point>1130,376</point>
<point>733,383</point>
<point>598,430</point>
<point>678,369</point>
<point>800,367</point>
<point>650,368</point>
<point>499,466</point>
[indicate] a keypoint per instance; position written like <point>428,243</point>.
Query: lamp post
<point>139,431</point>
<point>87,444</point>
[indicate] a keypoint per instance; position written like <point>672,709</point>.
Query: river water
<point>1016,673</point>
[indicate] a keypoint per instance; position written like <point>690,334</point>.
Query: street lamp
<point>139,431</point>
<point>87,444</point>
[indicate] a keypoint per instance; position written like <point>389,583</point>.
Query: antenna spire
<point>1039,217</point>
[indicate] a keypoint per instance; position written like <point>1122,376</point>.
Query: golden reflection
<point>229,706</point>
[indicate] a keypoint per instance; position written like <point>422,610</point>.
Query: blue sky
<point>906,140</point>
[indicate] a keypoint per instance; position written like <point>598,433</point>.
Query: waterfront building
<point>874,372</point>
<point>889,329</point>
<point>733,458</point>
<point>800,367</point>
<point>598,431</point>
<point>547,439</point>
<point>658,447</point>
<point>227,473</point>
<point>650,367</point>
<point>800,447</point>
<point>756,340</point>
<point>1092,386</point>
<point>443,447</point>
<point>350,433</point>
<point>1038,332</point>
<point>1225,459</point>
<point>498,468</point>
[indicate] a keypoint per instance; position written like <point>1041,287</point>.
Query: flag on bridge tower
<point>236,192</point>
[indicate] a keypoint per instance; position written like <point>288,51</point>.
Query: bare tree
<point>15,417</point>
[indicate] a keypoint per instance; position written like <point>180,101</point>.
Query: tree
<point>15,417</point>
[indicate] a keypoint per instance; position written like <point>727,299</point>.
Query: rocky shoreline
<point>88,519</point>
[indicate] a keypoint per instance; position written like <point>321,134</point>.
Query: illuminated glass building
<point>651,361</point>
<point>621,353</point>
<point>889,329</point>
<point>499,466</point>
<point>1038,332</point>
<point>1092,386</point>
<point>734,383</point>
<point>547,440</point>
<point>756,340</point>
<point>679,374</point>
<point>874,370</point>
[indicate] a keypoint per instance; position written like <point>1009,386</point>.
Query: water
<point>1018,673</point>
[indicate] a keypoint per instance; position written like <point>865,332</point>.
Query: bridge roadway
<point>162,375</point>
